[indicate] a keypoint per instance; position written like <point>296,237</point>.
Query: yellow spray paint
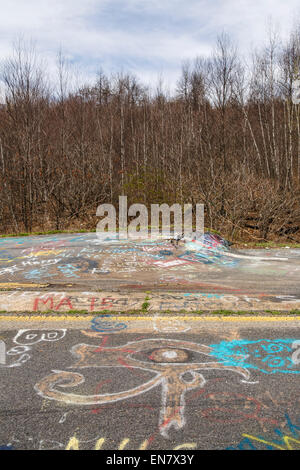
<point>286,439</point>
<point>74,444</point>
<point>99,443</point>
<point>123,444</point>
<point>186,445</point>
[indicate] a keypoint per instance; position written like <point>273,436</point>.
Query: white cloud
<point>147,37</point>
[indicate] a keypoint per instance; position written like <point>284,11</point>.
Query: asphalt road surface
<point>160,375</point>
<point>162,382</point>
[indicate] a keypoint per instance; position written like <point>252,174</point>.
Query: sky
<point>148,38</point>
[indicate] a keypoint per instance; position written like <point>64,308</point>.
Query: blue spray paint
<point>7,447</point>
<point>264,355</point>
<point>100,324</point>
<point>249,444</point>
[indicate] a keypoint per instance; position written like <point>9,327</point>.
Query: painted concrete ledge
<point>229,327</point>
<point>39,301</point>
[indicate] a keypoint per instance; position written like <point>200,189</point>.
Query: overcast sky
<point>146,37</point>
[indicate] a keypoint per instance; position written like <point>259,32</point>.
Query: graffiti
<point>43,262</point>
<point>221,408</point>
<point>296,354</point>
<point>10,270</point>
<point>91,301</point>
<point>5,256</point>
<point>46,245</point>
<point>176,387</point>
<point>37,273</point>
<point>15,351</point>
<point>100,324</point>
<point>203,294</point>
<point>63,417</point>
<point>68,270</point>
<point>207,257</point>
<point>264,355</point>
<point>2,352</point>
<point>208,249</point>
<point>168,263</point>
<point>289,441</point>
<point>97,443</point>
<point>50,445</point>
<point>24,340</point>
<point>170,326</point>
<point>86,257</point>
<point>170,360</point>
<point>65,301</point>
<point>30,337</point>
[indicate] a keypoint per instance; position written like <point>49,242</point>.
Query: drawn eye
<point>52,335</point>
<point>30,336</point>
<point>170,355</point>
<point>272,361</point>
<point>274,348</point>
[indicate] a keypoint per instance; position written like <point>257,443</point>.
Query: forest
<point>227,137</point>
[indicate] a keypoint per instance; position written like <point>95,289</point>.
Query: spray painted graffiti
<point>61,301</point>
<point>2,352</point>
<point>30,337</point>
<point>96,443</point>
<point>24,340</point>
<point>85,256</point>
<point>166,325</point>
<point>178,387</point>
<point>264,355</point>
<point>282,441</point>
<point>101,324</point>
<point>171,360</point>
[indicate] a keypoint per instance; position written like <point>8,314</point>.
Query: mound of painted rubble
<point>208,239</point>
<point>207,248</point>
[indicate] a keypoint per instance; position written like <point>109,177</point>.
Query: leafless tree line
<point>229,138</point>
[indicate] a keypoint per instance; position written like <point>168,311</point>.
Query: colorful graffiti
<point>287,441</point>
<point>101,324</point>
<point>80,257</point>
<point>171,360</point>
<point>178,387</point>
<point>263,355</point>
<point>62,301</point>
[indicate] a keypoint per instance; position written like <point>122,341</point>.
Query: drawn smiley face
<point>29,337</point>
